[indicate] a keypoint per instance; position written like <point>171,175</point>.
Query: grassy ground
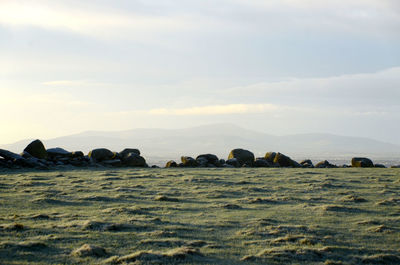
<point>201,216</point>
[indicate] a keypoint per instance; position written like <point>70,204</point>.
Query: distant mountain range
<point>219,139</point>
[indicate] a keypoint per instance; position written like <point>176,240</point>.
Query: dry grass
<point>200,216</point>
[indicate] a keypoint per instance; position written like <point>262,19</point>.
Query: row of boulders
<point>245,158</point>
<point>35,155</point>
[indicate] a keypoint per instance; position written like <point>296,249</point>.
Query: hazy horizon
<point>279,67</point>
<point>192,127</point>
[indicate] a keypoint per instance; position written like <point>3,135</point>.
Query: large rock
<point>11,159</point>
<point>243,156</point>
<point>78,154</point>
<point>188,161</point>
<point>325,164</point>
<point>285,161</point>
<point>307,163</point>
<point>261,162</point>
<point>124,153</point>
<point>7,155</point>
<point>112,163</point>
<point>134,160</point>
<point>361,162</point>
<point>171,163</point>
<point>101,154</point>
<point>36,149</point>
<point>58,152</point>
<point>233,162</point>
<point>270,156</point>
<point>207,160</point>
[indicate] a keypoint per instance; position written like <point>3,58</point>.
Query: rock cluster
<point>35,155</point>
<point>245,158</point>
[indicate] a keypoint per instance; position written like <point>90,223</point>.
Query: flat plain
<point>200,216</point>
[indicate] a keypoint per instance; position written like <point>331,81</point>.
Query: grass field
<point>200,216</point>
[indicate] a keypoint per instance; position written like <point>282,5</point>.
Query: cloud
<point>106,24</point>
<point>380,89</point>
<point>217,109</point>
<point>74,83</point>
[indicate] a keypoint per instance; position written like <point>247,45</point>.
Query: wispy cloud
<point>380,89</point>
<point>73,83</point>
<point>217,109</point>
<point>98,23</point>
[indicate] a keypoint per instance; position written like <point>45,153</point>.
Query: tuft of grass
<point>87,250</point>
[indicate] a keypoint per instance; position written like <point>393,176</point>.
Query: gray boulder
<point>54,153</point>
<point>261,162</point>
<point>134,160</point>
<point>243,156</point>
<point>112,163</point>
<point>361,162</point>
<point>270,156</point>
<point>307,163</point>
<point>78,154</point>
<point>285,161</point>
<point>171,163</point>
<point>233,162</point>
<point>124,153</point>
<point>379,166</point>
<point>188,161</point>
<point>36,149</point>
<point>208,159</point>
<point>325,164</point>
<point>7,155</point>
<point>101,154</point>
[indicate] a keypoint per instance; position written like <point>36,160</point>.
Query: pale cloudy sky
<point>278,66</point>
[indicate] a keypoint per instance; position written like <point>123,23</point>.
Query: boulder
<point>270,156</point>
<point>361,162</point>
<point>54,153</point>
<point>261,162</point>
<point>78,154</point>
<point>285,161</point>
<point>325,164</point>
<point>307,163</point>
<point>112,163</point>
<point>101,154</point>
<point>379,166</point>
<point>134,160</point>
<point>171,163</point>
<point>124,153</point>
<point>243,156</point>
<point>7,155</point>
<point>3,163</point>
<point>11,159</point>
<point>233,162</point>
<point>202,161</point>
<point>188,161</point>
<point>36,149</point>
<point>78,162</point>
<point>206,159</point>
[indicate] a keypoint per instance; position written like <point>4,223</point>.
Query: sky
<point>278,66</point>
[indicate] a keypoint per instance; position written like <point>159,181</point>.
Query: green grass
<point>201,216</point>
